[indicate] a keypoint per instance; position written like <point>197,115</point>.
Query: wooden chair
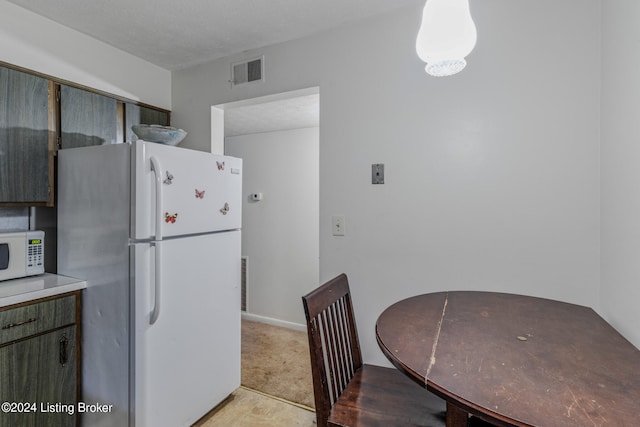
<point>346,391</point>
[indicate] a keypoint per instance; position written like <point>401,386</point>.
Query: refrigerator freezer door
<point>200,192</point>
<point>188,361</point>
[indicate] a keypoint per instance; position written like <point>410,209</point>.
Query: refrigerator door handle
<point>157,171</point>
<point>157,283</point>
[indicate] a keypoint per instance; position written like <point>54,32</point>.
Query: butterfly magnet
<point>169,179</point>
<point>220,165</point>
<point>199,194</point>
<point>225,209</point>
<point>170,219</point>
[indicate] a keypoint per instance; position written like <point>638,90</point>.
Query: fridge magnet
<point>169,179</point>
<point>225,209</point>
<point>199,194</point>
<point>220,165</point>
<point>170,218</point>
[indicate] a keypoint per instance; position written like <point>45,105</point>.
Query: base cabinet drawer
<point>20,322</point>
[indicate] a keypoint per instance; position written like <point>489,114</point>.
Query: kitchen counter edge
<point>16,291</point>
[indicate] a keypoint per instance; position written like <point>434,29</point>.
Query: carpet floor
<point>275,361</point>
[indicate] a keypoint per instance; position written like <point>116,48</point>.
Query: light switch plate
<point>377,173</point>
<point>337,225</point>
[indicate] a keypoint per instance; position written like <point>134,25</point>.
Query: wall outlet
<point>337,225</point>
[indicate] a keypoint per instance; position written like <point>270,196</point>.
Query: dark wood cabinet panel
<point>25,148</point>
<point>40,371</point>
<point>50,314</point>
<point>149,116</point>
<point>40,114</point>
<point>87,118</point>
<point>39,361</point>
<point>136,115</point>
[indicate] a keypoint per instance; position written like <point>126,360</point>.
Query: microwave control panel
<point>35,252</point>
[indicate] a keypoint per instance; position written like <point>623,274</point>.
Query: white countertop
<point>15,291</point>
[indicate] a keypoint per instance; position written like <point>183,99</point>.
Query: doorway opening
<point>277,136</point>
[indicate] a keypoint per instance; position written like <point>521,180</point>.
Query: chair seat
<point>379,396</point>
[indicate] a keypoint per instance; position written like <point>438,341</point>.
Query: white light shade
<point>447,34</point>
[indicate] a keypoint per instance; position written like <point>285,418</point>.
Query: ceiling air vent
<point>247,71</point>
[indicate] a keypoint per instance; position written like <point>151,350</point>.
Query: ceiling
<point>176,34</point>
<point>290,113</point>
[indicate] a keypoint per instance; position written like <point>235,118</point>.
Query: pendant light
<point>446,36</point>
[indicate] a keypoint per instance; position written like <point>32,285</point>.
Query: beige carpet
<point>275,361</point>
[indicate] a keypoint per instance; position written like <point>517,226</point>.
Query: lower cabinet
<point>38,372</point>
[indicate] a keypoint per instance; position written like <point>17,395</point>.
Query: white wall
<point>492,176</point>
<point>620,166</point>
<point>280,232</point>
<point>41,45</point>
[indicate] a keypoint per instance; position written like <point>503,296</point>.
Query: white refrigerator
<point>155,232</point>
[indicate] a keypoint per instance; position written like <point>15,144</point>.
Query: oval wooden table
<point>514,360</point>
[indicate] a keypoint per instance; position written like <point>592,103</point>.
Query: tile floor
<point>249,408</point>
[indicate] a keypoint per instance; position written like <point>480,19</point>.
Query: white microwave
<point>21,254</point>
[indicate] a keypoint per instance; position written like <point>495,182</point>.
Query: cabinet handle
<point>24,322</point>
<point>64,356</point>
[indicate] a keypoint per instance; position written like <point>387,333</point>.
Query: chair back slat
<point>338,378</point>
<point>343,348</point>
<point>333,342</point>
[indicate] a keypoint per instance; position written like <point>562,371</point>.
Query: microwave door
<point>4,256</point>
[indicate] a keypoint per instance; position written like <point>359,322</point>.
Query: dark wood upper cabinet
<point>40,114</point>
<point>136,115</point>
<point>87,118</point>
<point>26,145</point>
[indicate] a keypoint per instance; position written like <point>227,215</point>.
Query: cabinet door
<point>87,118</point>
<point>24,138</point>
<point>32,371</point>
<point>136,115</point>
